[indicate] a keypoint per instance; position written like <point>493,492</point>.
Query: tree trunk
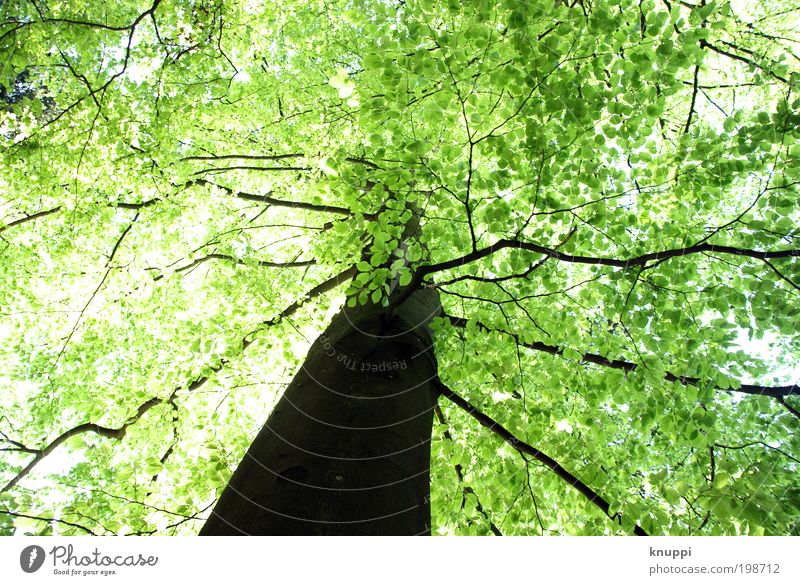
<point>347,448</point>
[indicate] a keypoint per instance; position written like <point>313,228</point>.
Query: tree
<point>575,221</point>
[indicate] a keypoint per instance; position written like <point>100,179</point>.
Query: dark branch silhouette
<point>45,519</point>
<point>30,217</point>
<point>641,260</point>
<point>108,432</point>
<point>525,449</point>
<point>776,392</point>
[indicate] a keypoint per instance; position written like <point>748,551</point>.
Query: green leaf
<point>405,277</point>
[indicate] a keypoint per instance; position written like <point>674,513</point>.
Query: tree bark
<point>346,451</point>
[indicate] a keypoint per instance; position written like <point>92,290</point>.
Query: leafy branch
<point>777,392</point>
<point>48,520</point>
<point>108,432</point>
<point>640,260</point>
<point>119,433</point>
<point>525,449</point>
<point>30,217</point>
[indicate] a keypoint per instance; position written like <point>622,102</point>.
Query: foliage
<point>601,183</point>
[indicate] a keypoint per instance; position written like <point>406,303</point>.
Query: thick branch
<point>119,204</point>
<point>265,263</point>
<point>526,449</point>
<point>110,433</point>
<point>777,392</point>
<point>787,406</point>
<point>694,98</point>
<point>30,217</point>
<point>318,290</point>
<point>707,45</point>
<point>137,206</point>
<point>99,25</point>
<point>269,200</point>
<point>266,199</point>
<point>617,263</point>
<point>119,433</point>
<point>244,157</point>
<point>248,168</point>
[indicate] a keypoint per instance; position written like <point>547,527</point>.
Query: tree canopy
<point>607,193</point>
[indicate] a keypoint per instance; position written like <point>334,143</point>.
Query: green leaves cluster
<point>184,154</point>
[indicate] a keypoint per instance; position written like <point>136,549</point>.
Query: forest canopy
<point>606,194</point>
